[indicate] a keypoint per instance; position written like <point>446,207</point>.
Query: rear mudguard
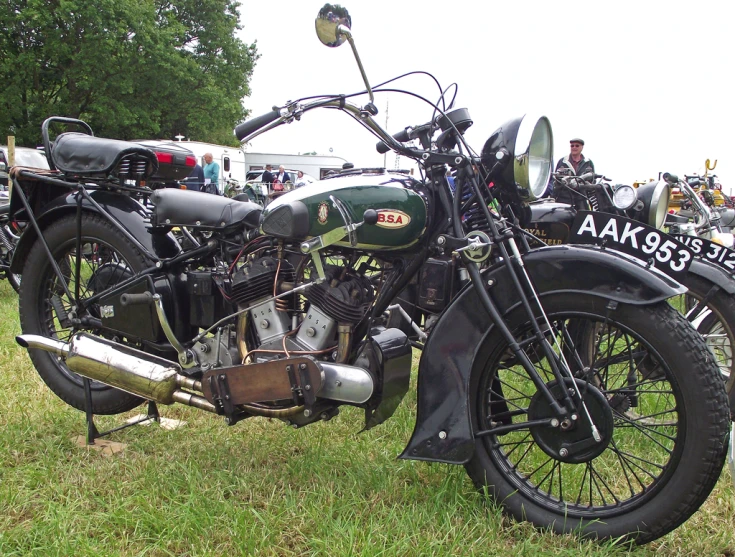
<point>443,431</point>
<point>126,210</point>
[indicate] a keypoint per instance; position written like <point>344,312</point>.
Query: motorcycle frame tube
<point>125,214</point>
<point>121,210</point>
<point>443,430</point>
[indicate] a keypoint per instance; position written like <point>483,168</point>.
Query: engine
<point>295,324</point>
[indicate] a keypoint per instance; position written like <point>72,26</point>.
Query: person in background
<point>211,173</point>
<point>575,164</point>
<point>450,180</point>
<point>576,161</point>
<point>267,177</point>
<point>282,175</point>
<point>300,180</point>
<point>195,180</point>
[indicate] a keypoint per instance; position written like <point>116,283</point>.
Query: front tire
<point>656,395</point>
<point>107,258</point>
<point>712,312</point>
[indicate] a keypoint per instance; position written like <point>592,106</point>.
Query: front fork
<point>503,238</point>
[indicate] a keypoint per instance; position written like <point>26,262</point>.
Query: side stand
<point>92,431</point>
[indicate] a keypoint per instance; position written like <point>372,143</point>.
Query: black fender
<point>713,273</point>
<point>443,430</point>
<point>127,211</point>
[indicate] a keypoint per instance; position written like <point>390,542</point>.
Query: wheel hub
<point>571,440</point>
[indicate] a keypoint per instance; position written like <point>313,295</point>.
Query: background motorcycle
<point>8,234</point>
<point>9,237</point>
<point>278,312</point>
<point>710,301</point>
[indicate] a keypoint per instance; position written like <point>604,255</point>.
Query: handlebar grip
<point>670,178</point>
<point>401,137</point>
<point>146,298</point>
<point>246,128</point>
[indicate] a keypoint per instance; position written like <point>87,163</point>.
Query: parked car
<point>23,157</point>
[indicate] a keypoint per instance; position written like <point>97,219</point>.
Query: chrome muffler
<point>122,367</point>
<point>346,383</point>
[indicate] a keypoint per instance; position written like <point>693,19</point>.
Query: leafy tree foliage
<point>129,68</point>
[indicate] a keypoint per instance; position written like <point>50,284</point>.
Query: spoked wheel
<point>45,309</point>
<point>712,312</point>
<point>719,339</point>
<point>656,398</point>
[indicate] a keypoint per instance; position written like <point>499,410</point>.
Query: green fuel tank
<point>310,211</point>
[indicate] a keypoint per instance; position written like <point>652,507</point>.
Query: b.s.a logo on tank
<point>390,218</point>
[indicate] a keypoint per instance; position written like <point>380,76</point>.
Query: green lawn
<point>257,488</point>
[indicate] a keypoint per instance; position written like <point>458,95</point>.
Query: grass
<point>258,488</point>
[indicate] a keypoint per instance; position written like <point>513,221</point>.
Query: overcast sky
<point>647,84</point>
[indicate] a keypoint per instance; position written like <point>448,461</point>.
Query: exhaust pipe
<point>122,367</point>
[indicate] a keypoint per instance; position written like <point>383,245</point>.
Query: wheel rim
<point>101,267</point>
<point>719,342</point>
<point>647,433</point>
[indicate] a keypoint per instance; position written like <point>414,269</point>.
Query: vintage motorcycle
<point>525,378</point>
<point>710,300</point>
<point>9,237</point>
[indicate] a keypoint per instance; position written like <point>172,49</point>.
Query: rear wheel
<point>652,467</point>
<point>107,258</point>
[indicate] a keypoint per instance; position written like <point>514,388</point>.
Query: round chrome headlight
<point>530,142</point>
<point>532,156</point>
<point>624,197</point>
<point>655,197</point>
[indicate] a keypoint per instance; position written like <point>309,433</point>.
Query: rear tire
<point>108,257</point>
<point>656,465</point>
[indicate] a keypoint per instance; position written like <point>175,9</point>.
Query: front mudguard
<point>443,431</point>
<point>122,208</point>
<point>714,274</point>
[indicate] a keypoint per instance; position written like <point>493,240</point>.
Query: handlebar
<point>260,124</point>
<point>708,218</point>
<point>401,136</point>
<point>253,125</point>
<point>670,178</point>
<point>587,179</point>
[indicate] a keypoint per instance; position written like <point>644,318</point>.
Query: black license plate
<point>710,251</point>
<point>650,245</point>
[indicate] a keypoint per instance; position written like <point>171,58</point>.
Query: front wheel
<point>711,311</point>
<point>651,387</point>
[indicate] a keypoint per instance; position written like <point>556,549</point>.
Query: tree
<point>129,68</point>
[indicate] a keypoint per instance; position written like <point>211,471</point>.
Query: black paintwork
<point>449,355</point>
<point>551,223</point>
<point>127,211</point>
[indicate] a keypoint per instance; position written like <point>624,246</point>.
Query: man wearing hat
<point>575,164</point>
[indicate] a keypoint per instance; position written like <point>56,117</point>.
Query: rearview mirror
<point>333,25</point>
